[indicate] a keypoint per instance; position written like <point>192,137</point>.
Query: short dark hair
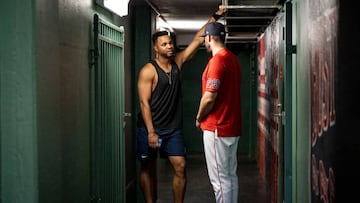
<point>220,38</point>
<point>158,34</point>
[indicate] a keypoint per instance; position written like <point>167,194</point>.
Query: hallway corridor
<point>252,189</point>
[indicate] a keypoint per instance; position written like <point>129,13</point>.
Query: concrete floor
<point>252,189</point>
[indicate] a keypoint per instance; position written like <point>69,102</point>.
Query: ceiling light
<point>161,24</point>
<point>119,7</point>
<point>186,24</point>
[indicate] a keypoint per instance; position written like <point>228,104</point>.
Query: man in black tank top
<point>160,116</point>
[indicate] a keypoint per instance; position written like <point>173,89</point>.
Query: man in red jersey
<point>219,114</point>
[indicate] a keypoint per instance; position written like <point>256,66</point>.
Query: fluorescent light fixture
<point>162,25</point>
<point>189,25</point>
<point>119,7</point>
<point>186,24</point>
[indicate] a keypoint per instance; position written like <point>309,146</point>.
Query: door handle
<point>280,115</point>
<point>276,114</point>
<point>126,114</point>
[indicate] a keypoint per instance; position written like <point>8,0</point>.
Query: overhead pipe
<point>153,7</point>
<point>250,6</point>
<point>249,17</point>
<point>243,41</point>
<point>246,26</point>
<point>225,5</point>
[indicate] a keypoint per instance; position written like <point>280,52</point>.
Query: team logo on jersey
<point>212,83</point>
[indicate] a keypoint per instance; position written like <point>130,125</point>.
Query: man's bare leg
<point>179,180</point>
<point>148,181</point>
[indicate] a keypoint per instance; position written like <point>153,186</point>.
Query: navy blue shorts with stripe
<point>172,144</point>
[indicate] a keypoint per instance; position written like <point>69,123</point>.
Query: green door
<point>108,143</point>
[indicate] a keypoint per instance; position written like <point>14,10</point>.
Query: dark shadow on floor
<point>252,189</point>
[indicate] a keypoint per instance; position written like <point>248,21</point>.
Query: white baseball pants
<point>221,162</point>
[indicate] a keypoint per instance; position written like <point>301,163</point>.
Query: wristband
<point>216,16</point>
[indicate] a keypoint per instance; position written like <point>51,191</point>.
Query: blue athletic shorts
<point>172,144</point>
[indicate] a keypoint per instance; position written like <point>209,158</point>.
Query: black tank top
<point>166,99</point>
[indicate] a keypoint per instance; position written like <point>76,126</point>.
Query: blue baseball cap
<point>215,29</point>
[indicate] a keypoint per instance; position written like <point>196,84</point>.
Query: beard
<point>168,54</point>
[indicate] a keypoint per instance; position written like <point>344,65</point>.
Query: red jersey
<point>222,75</point>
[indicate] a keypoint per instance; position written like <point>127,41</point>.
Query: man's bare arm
<point>145,85</point>
<point>207,103</point>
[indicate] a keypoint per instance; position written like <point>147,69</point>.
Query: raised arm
<point>197,41</point>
